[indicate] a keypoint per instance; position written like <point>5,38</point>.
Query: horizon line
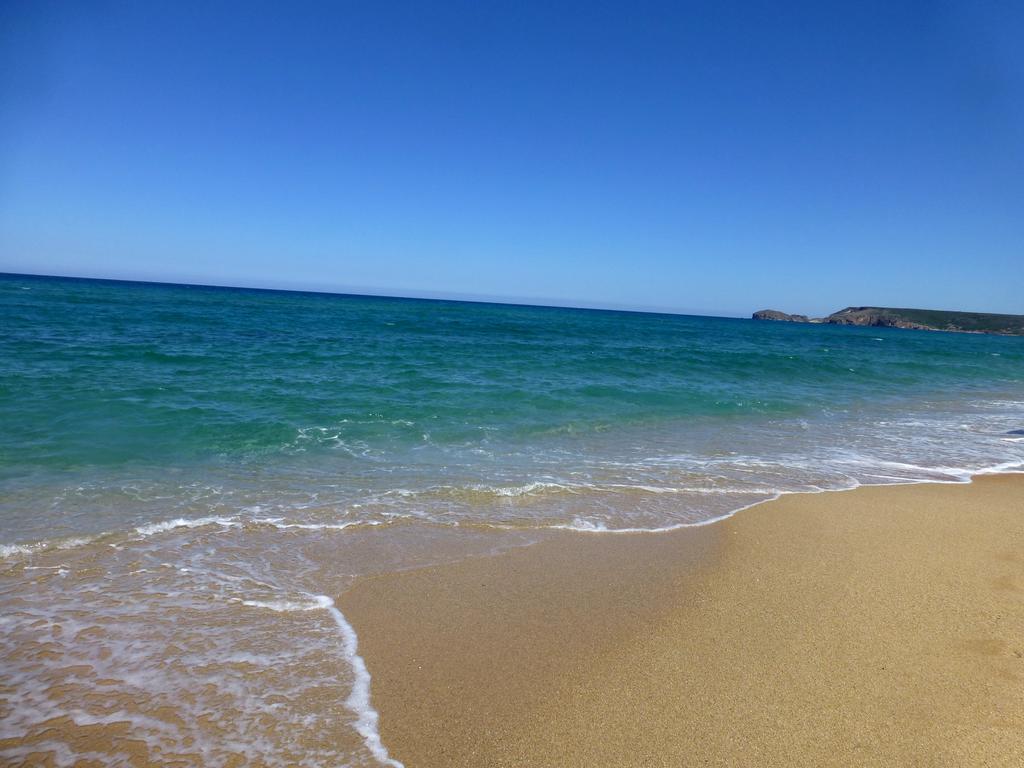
<point>455,298</point>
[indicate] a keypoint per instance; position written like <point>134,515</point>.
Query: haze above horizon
<point>702,158</point>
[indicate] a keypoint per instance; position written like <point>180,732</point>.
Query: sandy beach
<point>880,626</point>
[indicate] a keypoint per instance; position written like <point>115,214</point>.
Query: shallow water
<point>188,476</point>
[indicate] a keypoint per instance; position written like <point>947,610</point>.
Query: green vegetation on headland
<point>918,319</point>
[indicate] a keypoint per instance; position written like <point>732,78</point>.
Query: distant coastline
<point>913,319</point>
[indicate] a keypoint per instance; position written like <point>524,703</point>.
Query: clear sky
<point>715,157</point>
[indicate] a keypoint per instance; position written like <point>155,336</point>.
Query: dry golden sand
<point>881,626</point>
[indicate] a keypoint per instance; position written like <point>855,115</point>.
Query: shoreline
<point>23,549</point>
<point>826,629</point>
<point>573,650</point>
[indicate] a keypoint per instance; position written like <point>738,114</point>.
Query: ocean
<point>189,476</point>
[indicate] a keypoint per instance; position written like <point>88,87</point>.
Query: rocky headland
<point>915,319</point>
<point>774,314</point>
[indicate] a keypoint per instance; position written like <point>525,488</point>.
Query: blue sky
<point>712,157</point>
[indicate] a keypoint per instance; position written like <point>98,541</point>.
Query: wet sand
<point>881,626</point>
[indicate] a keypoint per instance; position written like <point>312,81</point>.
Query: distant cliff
<point>918,319</point>
<point>774,314</point>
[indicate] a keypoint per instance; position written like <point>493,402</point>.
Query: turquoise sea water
<point>172,452</point>
<point>186,399</point>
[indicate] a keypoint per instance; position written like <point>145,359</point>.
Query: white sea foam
<point>583,525</point>
<point>359,700</point>
<point>524,490</point>
<point>11,550</point>
<point>281,525</point>
<point>1005,467</point>
<point>282,606</point>
<point>163,526</point>
<point>14,550</point>
<point>698,490</point>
